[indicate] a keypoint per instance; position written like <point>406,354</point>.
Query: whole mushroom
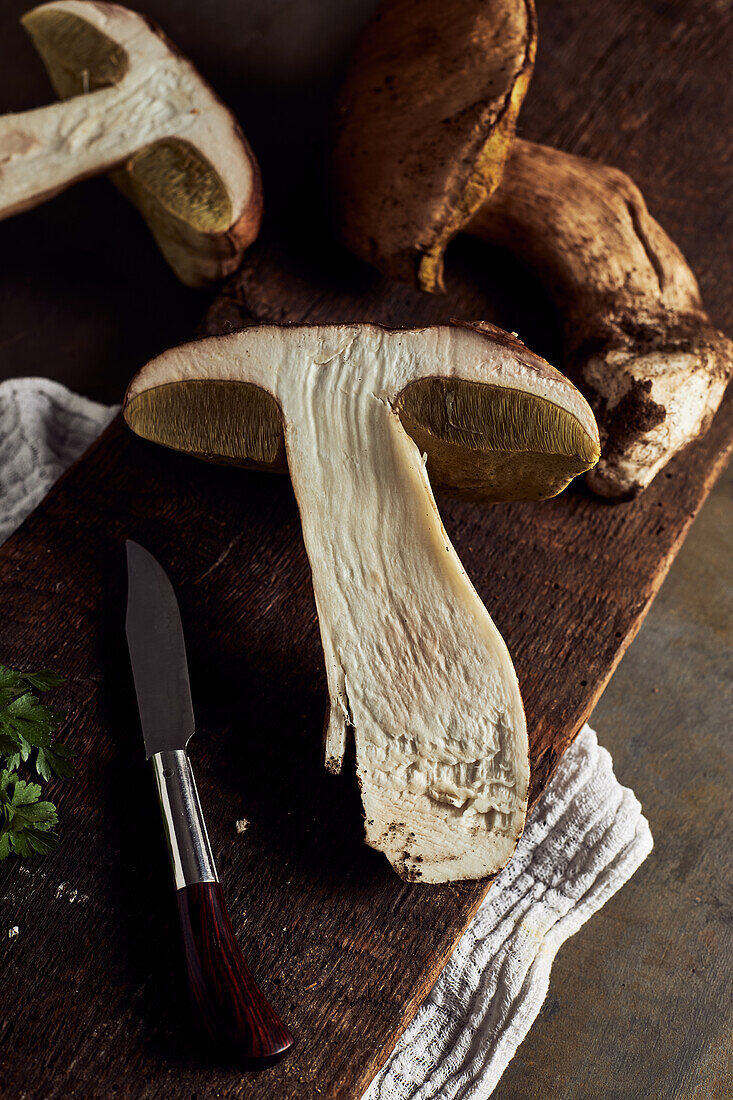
<point>134,107</point>
<point>637,339</point>
<point>418,675</point>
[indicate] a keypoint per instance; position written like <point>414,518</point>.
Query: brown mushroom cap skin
<point>191,172</point>
<point>638,342</point>
<point>424,124</point>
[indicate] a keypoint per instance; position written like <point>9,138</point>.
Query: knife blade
<point>157,654</point>
<point>227,1001</point>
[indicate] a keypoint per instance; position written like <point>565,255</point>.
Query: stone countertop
<point>639,1002</point>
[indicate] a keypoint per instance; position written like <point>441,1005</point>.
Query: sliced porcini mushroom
<point>418,674</point>
<point>134,107</point>
<point>638,341</point>
<point>424,125</point>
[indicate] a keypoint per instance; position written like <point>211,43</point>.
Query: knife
<point>225,997</point>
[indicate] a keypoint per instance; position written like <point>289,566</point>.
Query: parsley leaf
<point>10,680</point>
<point>27,720</point>
<point>26,731</point>
<point>26,823</point>
<point>55,760</point>
<point>44,680</point>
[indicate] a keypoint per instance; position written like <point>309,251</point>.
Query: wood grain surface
<point>343,948</point>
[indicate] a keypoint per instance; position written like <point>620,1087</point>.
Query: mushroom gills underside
<point>484,442</point>
<point>229,423</point>
<point>79,58</point>
<point>494,443</point>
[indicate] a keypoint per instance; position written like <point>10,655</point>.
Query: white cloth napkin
<point>585,839</point>
<point>43,428</point>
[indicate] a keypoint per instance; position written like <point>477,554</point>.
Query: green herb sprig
<point>26,740</point>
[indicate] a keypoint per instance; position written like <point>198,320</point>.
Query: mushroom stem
<point>417,671</point>
<point>638,341</point>
<point>52,147</point>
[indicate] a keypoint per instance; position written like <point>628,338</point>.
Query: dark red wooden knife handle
<point>226,999</point>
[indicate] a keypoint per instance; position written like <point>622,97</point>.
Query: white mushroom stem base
<point>418,674</point>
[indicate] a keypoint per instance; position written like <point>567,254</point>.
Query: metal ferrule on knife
<point>188,841</point>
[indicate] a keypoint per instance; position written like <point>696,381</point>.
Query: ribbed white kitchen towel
<point>43,428</point>
<point>585,839</point>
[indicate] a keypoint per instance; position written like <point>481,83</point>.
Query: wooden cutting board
<point>345,949</point>
<point>93,1004</point>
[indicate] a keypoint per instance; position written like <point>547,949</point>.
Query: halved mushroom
<point>638,341</point>
<point>134,107</point>
<point>417,672</point>
<point>424,125</point>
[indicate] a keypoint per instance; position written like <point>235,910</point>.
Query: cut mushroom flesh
<point>134,107</point>
<point>418,674</point>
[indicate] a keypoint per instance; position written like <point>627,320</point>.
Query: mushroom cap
<point>199,190</point>
<point>425,122</point>
<point>494,421</point>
